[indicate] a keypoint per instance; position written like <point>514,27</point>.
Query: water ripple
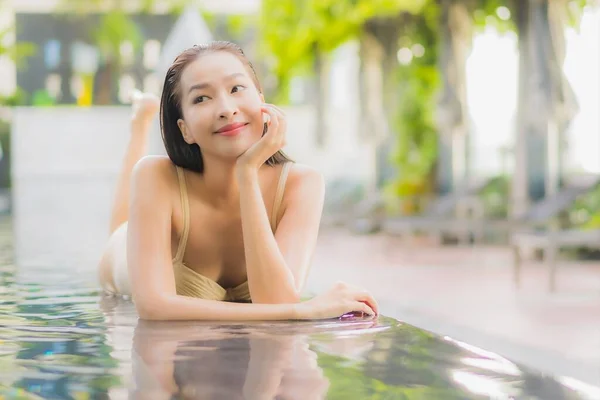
<point>59,338</point>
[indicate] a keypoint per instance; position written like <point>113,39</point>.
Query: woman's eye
<point>200,99</point>
<point>237,88</point>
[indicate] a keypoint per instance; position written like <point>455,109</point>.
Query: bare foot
<point>144,106</point>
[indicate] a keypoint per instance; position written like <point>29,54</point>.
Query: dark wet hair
<point>180,152</point>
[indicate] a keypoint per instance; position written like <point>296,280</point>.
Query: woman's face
<point>221,105</point>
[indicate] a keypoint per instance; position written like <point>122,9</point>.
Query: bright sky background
<point>492,72</point>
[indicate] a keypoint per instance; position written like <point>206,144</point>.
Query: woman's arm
<point>151,269</point>
<point>150,259</point>
<point>278,264</point>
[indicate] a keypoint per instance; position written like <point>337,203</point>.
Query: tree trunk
<point>104,84</point>
<point>373,121</point>
<point>546,103</point>
<point>321,70</point>
<point>520,197</point>
<point>379,46</point>
<point>389,38</point>
<point>453,117</point>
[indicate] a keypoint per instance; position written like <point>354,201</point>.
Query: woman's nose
<point>227,109</point>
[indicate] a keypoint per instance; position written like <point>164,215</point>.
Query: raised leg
<point>145,107</point>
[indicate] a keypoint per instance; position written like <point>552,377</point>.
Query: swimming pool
<point>60,339</point>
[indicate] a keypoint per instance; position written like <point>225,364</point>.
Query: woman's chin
<point>233,153</point>
<point>230,149</point>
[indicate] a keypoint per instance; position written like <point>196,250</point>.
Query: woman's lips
<point>231,129</point>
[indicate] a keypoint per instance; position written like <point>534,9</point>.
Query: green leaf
<point>115,28</point>
<point>292,30</point>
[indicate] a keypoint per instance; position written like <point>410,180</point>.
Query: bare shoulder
<point>153,173</point>
<point>156,168</point>
<point>304,179</point>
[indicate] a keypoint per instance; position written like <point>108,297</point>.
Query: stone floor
<point>467,293</point>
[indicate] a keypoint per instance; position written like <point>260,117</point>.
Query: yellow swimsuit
<point>189,282</point>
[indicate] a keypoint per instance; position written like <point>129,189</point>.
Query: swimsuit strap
<point>185,208</point>
<point>279,194</point>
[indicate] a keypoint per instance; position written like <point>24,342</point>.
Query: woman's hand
<point>271,142</point>
<point>341,299</point>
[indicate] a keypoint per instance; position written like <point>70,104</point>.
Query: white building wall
<point>65,162</point>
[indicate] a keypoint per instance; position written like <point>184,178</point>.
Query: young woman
<point>224,228</point>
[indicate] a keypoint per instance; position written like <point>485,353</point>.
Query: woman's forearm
<point>269,278</point>
<point>176,307</point>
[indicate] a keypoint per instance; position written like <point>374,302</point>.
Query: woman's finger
<point>273,120</point>
<point>277,111</point>
<point>363,307</point>
<point>276,108</point>
<point>366,297</point>
<point>274,128</point>
<point>269,111</point>
<point>370,300</point>
<point>277,123</point>
<point>282,125</point>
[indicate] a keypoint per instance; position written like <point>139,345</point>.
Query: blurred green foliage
<point>404,363</point>
<point>17,98</point>
<point>585,213</point>
<point>494,196</point>
<point>18,53</point>
<point>293,32</point>
<point>115,27</point>
<point>418,82</point>
<point>5,178</point>
<point>493,12</point>
<point>41,98</point>
<point>352,382</point>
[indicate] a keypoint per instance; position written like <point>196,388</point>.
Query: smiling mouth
<point>232,129</point>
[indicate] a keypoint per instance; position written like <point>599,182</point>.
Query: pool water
<point>60,338</point>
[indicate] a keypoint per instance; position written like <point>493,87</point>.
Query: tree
<point>415,156</point>
<point>115,27</point>
<point>546,103</point>
<point>18,53</point>
<point>418,77</point>
<point>300,34</point>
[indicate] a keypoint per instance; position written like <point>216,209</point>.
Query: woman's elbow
<point>149,315</point>
<point>151,309</point>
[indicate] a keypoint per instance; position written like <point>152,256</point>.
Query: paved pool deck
<point>467,293</point>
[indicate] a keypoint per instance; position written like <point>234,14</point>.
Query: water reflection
<point>233,361</point>
<point>54,350</point>
<point>203,362</point>
<point>357,359</point>
<point>60,339</point>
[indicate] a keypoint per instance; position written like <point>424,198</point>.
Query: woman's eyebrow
<point>234,75</point>
<point>198,86</point>
<point>203,85</point>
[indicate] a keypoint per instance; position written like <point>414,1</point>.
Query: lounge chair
<point>550,243</point>
<point>447,214</point>
<point>538,228</point>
